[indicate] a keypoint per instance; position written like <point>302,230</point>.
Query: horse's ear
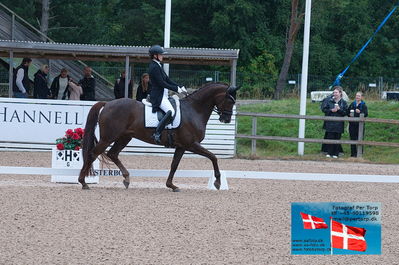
<point>233,89</point>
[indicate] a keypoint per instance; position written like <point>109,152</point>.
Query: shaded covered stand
<point>128,54</point>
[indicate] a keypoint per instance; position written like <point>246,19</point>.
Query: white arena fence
<point>226,174</point>
<point>35,124</point>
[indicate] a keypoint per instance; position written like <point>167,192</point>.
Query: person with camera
<point>75,90</point>
<point>335,106</point>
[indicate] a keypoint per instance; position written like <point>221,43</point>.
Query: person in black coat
<point>337,107</point>
<point>160,83</point>
<point>119,87</point>
<point>144,88</point>
<point>40,87</point>
<point>88,84</point>
<point>355,109</point>
<point>61,81</point>
<point>324,146</point>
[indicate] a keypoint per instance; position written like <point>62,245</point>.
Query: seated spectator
<point>335,106</point>
<point>144,88</point>
<point>40,87</point>
<point>88,84</point>
<point>75,90</point>
<point>119,87</point>
<point>60,83</point>
<point>355,109</point>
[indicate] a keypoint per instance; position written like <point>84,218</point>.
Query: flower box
<point>66,159</point>
<point>68,155</point>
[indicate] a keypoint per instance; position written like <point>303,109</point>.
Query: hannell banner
<point>40,121</point>
<point>35,124</point>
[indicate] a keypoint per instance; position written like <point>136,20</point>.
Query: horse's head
<point>225,107</point>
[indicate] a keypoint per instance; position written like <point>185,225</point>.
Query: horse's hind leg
<point>176,160</point>
<point>113,154</point>
<point>198,149</point>
<point>91,156</point>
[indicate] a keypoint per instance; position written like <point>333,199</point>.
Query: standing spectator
<point>119,87</point>
<point>355,109</point>
<point>144,88</point>
<point>88,84</point>
<point>75,91</point>
<point>40,87</point>
<point>324,146</point>
<point>21,82</point>
<point>60,83</point>
<point>336,107</point>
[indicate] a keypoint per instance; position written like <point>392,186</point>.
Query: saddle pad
<point>151,119</point>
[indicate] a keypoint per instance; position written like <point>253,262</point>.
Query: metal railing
<point>360,142</point>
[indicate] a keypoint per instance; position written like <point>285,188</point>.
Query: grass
<point>289,127</point>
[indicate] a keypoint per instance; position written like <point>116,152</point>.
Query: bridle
<point>224,112</point>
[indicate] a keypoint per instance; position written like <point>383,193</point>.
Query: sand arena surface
<point>45,223</point>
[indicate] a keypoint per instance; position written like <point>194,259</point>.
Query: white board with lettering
<point>35,124</point>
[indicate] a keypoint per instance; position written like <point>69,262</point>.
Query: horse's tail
<point>89,138</point>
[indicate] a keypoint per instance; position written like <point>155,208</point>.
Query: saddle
<point>152,119</point>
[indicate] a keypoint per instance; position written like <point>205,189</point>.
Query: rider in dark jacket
<point>160,83</point>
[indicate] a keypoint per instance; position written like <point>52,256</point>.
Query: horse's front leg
<point>198,149</point>
<point>179,152</point>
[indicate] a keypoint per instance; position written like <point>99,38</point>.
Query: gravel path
<point>46,223</point>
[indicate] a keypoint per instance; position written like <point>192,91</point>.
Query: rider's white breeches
<point>166,106</point>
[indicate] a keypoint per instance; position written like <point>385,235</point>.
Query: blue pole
<point>337,81</point>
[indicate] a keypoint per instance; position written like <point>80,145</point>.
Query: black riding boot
<point>161,126</point>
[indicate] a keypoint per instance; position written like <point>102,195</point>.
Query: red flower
<point>77,148</point>
<point>79,131</point>
<point>60,146</point>
<point>69,132</point>
<point>75,136</point>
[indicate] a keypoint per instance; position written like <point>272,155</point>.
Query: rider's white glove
<point>181,89</point>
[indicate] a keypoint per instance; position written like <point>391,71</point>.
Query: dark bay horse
<point>123,119</point>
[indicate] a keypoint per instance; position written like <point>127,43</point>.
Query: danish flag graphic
<point>347,237</point>
<point>312,222</point>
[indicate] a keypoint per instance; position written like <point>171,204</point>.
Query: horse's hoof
<point>126,183</point>
<point>176,189</point>
<point>217,185</point>
<point>85,187</point>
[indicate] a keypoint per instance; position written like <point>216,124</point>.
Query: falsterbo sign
<point>40,121</point>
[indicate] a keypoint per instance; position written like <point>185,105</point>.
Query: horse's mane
<point>206,86</point>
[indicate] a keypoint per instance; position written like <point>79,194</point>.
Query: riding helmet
<point>156,49</point>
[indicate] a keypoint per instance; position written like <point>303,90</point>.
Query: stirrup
<point>157,137</point>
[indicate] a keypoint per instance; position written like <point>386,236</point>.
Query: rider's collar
<point>157,62</point>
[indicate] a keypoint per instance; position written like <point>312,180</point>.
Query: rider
<point>160,83</point>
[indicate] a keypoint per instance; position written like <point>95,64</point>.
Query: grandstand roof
<point>93,52</point>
